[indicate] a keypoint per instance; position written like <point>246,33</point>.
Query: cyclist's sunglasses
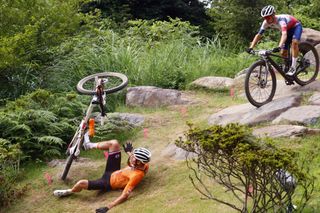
<point>268,17</point>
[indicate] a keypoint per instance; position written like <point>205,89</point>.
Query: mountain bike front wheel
<point>307,64</point>
<point>113,82</point>
<point>260,84</point>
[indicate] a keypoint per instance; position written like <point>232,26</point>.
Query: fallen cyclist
<point>114,178</point>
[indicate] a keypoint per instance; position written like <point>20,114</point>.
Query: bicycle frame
<point>77,141</point>
<point>267,58</point>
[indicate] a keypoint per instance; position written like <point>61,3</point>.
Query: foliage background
<point>47,46</point>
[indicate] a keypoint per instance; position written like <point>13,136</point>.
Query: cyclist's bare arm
<point>123,197</point>
<point>283,38</point>
<point>255,40</point>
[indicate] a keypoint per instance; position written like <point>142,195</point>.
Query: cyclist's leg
<point>295,43</point>
<point>111,145</point>
<point>78,187</point>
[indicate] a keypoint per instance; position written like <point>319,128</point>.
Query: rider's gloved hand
<point>249,50</point>
<point>102,210</point>
<point>128,147</point>
<point>276,49</point>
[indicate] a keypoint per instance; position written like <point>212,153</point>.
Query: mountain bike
<point>98,85</point>
<point>260,81</point>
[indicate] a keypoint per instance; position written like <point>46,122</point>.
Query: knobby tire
<point>122,77</point>
<point>305,47</point>
<point>247,86</point>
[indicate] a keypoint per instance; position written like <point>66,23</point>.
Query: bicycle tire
<point>67,167</point>
<point>305,48</point>
<point>122,77</point>
<point>248,92</point>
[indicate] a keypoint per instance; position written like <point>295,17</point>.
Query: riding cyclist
<point>114,178</point>
<point>291,30</point>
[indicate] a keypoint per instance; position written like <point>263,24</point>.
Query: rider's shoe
<point>62,193</point>
<point>95,100</point>
<point>291,71</point>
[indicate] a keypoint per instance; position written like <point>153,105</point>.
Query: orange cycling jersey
<point>127,178</point>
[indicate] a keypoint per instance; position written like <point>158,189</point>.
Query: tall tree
<point>193,11</point>
<point>238,20</point>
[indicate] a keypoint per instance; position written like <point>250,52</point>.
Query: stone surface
<point>230,115</point>
<point>149,96</point>
<point>310,35</point>
<point>133,119</point>
<point>280,131</point>
<point>248,114</point>
<point>315,99</point>
<point>299,115</point>
<point>271,110</point>
<point>176,153</point>
<point>212,82</point>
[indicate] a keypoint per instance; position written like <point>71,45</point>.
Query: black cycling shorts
<point>113,164</point>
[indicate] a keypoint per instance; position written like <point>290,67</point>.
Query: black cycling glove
<point>249,50</point>
<point>276,49</point>
<point>128,147</point>
<point>102,210</point>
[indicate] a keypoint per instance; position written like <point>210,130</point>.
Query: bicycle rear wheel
<point>307,64</point>
<point>115,82</point>
<point>67,166</point>
<point>260,84</point>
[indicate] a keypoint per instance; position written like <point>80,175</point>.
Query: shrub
<point>248,168</point>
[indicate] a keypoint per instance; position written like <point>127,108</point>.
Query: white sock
<point>294,62</point>
<point>69,191</point>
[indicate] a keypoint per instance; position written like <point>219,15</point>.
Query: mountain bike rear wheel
<point>260,84</point>
<point>115,82</point>
<point>307,64</point>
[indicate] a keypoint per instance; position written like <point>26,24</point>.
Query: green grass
<point>166,187</point>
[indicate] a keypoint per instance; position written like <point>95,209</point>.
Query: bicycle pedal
<point>289,82</point>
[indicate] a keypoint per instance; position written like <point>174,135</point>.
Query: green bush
<point>9,171</point>
<point>247,167</point>
<point>42,123</point>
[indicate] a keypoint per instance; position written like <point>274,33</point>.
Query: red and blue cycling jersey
<point>283,23</point>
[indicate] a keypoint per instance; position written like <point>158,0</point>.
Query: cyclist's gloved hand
<point>102,210</point>
<point>249,50</point>
<point>276,49</point>
<point>128,147</point>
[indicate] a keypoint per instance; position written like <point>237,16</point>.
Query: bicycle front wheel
<point>115,82</point>
<point>260,84</point>
<point>307,64</point>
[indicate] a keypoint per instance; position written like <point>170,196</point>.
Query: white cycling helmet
<point>142,154</point>
<point>267,11</point>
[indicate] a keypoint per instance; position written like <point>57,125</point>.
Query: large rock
<point>211,82</point>
<point>149,96</point>
<point>299,115</point>
<point>176,153</point>
<point>280,131</point>
<point>231,114</point>
<point>248,114</point>
<point>271,110</point>
<point>315,99</point>
<point>310,35</point>
<point>133,119</point>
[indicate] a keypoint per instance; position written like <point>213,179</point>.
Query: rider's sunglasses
<point>268,17</point>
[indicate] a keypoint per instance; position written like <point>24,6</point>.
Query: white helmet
<point>142,154</point>
<point>267,11</point>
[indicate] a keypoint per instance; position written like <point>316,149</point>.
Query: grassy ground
<point>166,188</point>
